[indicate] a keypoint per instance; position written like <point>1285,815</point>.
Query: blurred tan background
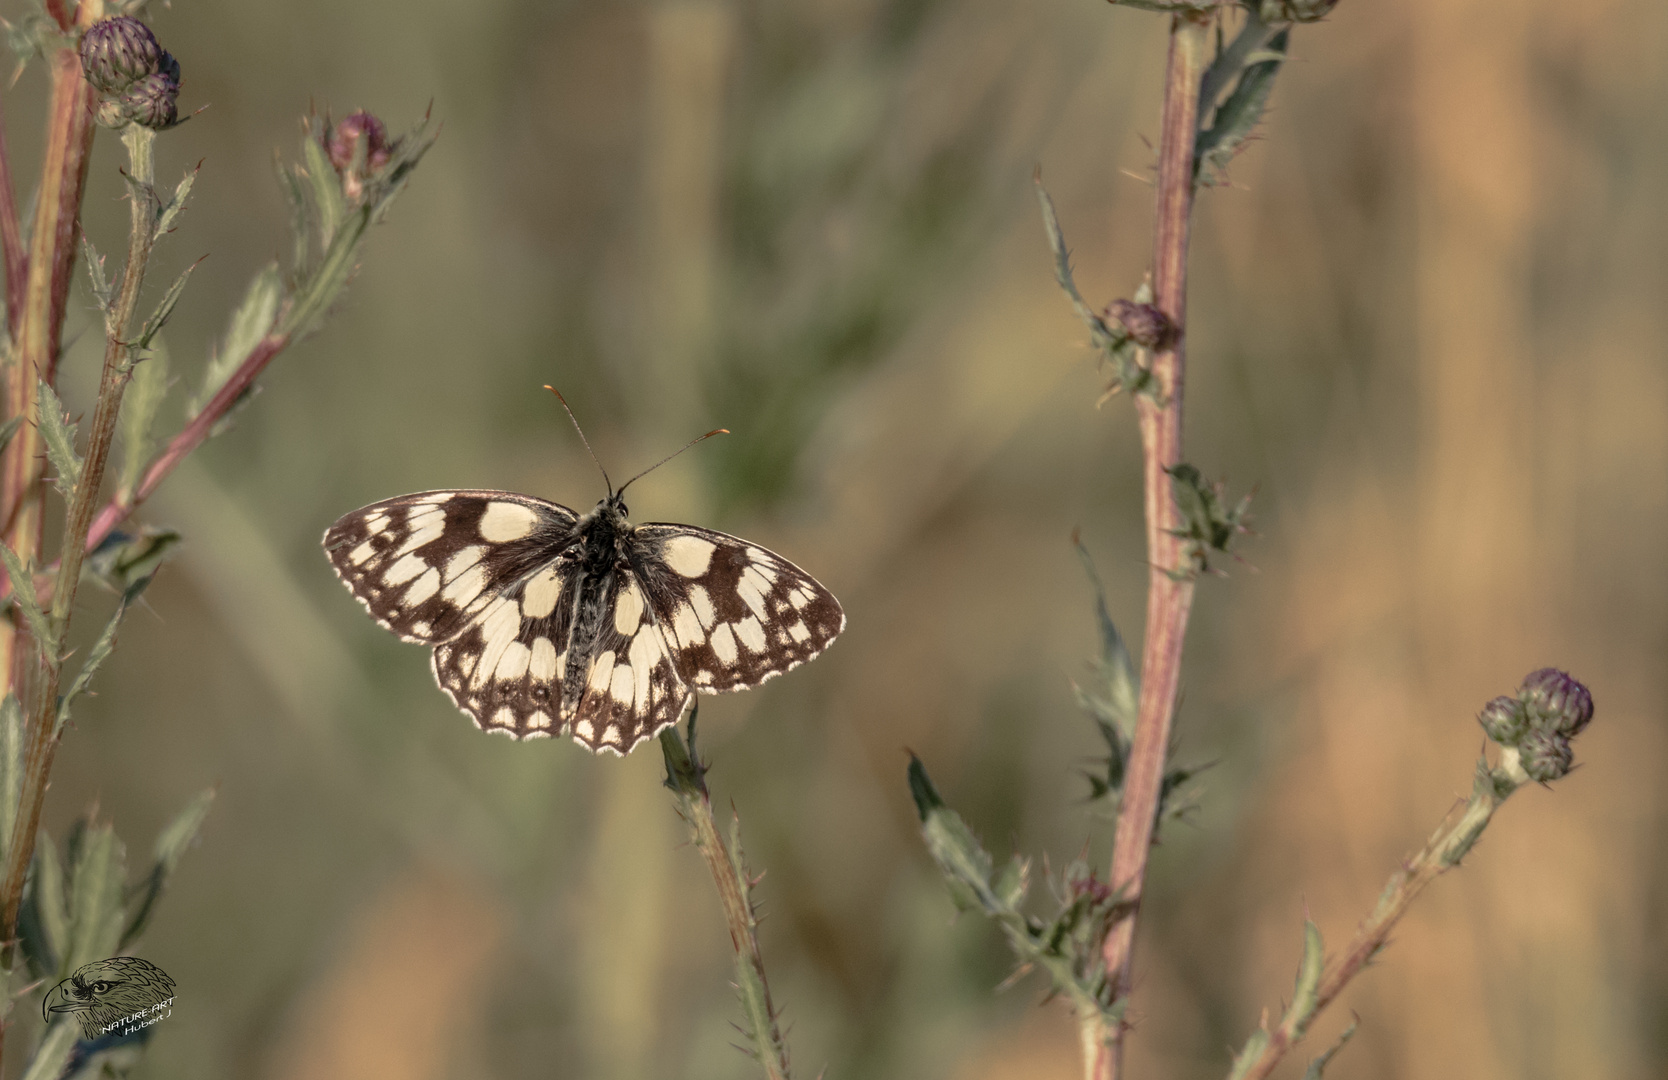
<point>1428,324</point>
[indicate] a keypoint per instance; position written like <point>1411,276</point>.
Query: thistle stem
<point>118,369</point>
<point>1169,591</point>
<point>1441,853</point>
<point>686,776</point>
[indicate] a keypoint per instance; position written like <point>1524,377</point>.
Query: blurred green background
<point>1427,323</point>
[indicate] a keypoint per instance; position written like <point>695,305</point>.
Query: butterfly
<point>546,622</point>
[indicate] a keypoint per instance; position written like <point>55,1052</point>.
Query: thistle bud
<point>150,102</point>
<point>1545,755</point>
<point>1149,326</point>
<point>1556,702</point>
<point>116,53</point>
<point>343,145</point>
<point>1505,719</point>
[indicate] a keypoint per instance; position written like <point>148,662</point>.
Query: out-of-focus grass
<point>1426,321</point>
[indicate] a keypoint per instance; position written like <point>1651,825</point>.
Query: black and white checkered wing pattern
<point>630,689</point>
<point>732,613</point>
<point>426,565</point>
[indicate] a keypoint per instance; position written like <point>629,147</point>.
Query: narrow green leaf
<point>1123,684</point>
<point>1062,268</point>
<point>314,296</point>
<point>250,323</point>
<point>1230,61</point>
<point>95,896</point>
<point>100,651</point>
<point>171,846</point>
<point>51,909</point>
<point>171,210</point>
<point>1254,1047</point>
<point>1306,995</point>
<point>11,768</point>
<point>301,214</point>
<point>52,1056</point>
<point>325,187</point>
<point>965,863</point>
<point>123,560</point>
<point>1317,1067</point>
<point>102,287</point>
<point>392,178</point>
<point>1238,116</point>
<point>59,435</point>
<point>23,595</point>
<point>165,308</point>
<point>143,400</point>
<point>8,429</point>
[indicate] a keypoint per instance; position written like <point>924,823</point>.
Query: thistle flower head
<point>1555,702</point>
<point>118,52</point>
<point>1505,719</point>
<point>150,102</point>
<point>1149,326</point>
<point>1545,755</point>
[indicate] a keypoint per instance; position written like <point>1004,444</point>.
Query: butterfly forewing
<point>733,613</point>
<point>427,565</point>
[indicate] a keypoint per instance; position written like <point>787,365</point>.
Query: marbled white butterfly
<point>546,622</point>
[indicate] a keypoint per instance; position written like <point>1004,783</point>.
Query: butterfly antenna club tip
<point>673,454</point>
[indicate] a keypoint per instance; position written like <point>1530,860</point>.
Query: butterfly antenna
<point>583,439</point>
<point>669,457</point>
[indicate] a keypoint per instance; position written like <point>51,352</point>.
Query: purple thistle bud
<point>116,53</point>
<point>1545,755</point>
<point>1505,719</point>
<point>1149,326</point>
<point>1556,702</point>
<point>150,102</point>
<point>342,143</point>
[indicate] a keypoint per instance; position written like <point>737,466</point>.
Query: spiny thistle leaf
<point>103,289</point>
<point>1254,1047</point>
<point>1231,59</point>
<point>121,560</point>
<point>1208,523</point>
<point>23,595</point>
<point>1238,116</point>
<point>325,187</point>
<point>43,923</point>
<point>171,845</point>
<point>1317,1067</point>
<point>95,922</point>
<point>1306,995</point>
<point>170,211</point>
<point>59,435</point>
<point>251,322</point>
<point>965,863</point>
<point>159,317</point>
<point>101,650</point>
<point>143,400</point>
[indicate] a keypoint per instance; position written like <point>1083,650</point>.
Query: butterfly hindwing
<point>629,689</point>
<point>732,613</point>
<point>427,565</point>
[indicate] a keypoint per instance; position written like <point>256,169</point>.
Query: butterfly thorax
<point>598,559</point>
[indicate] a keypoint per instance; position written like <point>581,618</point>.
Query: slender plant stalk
<point>1169,589</point>
<point>11,235</point>
<point>1441,853</point>
<point>38,330</point>
<point>686,776</point>
<point>43,730</point>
